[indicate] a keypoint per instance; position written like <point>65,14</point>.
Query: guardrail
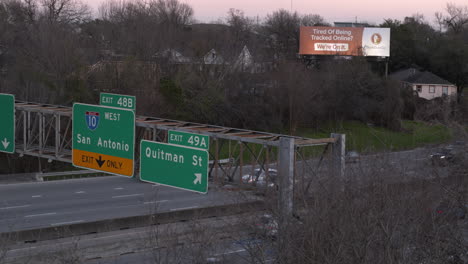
<point>68,174</point>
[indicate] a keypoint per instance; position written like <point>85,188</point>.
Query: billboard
<point>346,41</point>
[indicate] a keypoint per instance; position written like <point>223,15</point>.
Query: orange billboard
<point>346,41</point>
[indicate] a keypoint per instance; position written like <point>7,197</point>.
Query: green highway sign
<point>118,100</point>
<point>103,138</point>
<point>176,166</point>
<point>7,121</point>
<point>188,139</point>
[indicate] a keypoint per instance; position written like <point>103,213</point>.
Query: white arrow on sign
<point>5,143</point>
<point>197,178</point>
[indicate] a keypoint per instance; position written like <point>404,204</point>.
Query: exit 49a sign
<point>7,121</point>
<point>188,139</point>
<point>176,166</point>
<point>103,138</point>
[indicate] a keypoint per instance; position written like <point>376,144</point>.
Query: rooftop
<point>415,76</point>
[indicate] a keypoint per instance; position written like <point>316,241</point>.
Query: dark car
<point>445,156</point>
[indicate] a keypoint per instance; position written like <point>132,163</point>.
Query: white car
<point>259,178</point>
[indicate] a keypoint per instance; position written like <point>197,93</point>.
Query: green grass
<point>364,138</point>
<point>359,137</point>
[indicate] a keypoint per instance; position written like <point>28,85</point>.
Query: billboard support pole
<point>386,68</point>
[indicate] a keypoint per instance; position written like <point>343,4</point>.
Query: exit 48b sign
<point>103,138</point>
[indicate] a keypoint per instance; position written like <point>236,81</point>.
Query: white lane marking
<point>153,202</point>
<point>67,223</point>
<point>118,188</point>
<point>36,196</point>
<point>13,207</point>
<point>19,249</point>
<point>231,252</point>
<point>45,214</point>
<point>184,208</point>
<point>78,192</point>
<point>119,235</point>
<point>155,185</point>
<point>128,195</point>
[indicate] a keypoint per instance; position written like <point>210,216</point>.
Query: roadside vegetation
<point>364,137</point>
<point>57,52</point>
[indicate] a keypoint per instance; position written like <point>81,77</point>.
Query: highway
<point>45,204</point>
<point>212,240</point>
<point>48,204</point>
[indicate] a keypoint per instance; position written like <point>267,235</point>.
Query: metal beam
<point>45,131</point>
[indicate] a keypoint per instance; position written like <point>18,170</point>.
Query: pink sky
<point>373,11</point>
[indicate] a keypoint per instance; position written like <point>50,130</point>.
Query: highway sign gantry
<point>188,139</point>
<point>7,123</point>
<point>118,100</point>
<point>103,139</point>
<point>175,166</point>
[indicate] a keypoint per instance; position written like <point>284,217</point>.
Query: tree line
<point>55,51</point>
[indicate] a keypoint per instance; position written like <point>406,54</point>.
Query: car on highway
<point>352,157</point>
<point>259,178</point>
<point>445,156</point>
<point>267,226</point>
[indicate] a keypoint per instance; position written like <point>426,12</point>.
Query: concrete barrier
<point>50,176</point>
<point>56,232</point>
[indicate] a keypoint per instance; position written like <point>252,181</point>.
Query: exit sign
<point>188,139</point>
<point>7,121</point>
<point>103,138</point>
<point>118,100</point>
<point>175,166</point>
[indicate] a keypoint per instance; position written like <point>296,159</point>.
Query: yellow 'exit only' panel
<point>102,162</point>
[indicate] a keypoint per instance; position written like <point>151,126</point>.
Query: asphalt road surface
<point>54,203</point>
<point>212,240</point>
<point>44,204</point>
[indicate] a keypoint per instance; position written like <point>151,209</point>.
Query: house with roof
<point>425,84</point>
<point>212,57</point>
<point>236,60</point>
<point>173,56</point>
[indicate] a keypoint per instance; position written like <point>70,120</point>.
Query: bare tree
<point>439,19</point>
<point>65,11</point>
<point>240,24</point>
<point>171,12</point>
<point>457,17</point>
<point>313,20</point>
<point>283,26</point>
<point>31,9</point>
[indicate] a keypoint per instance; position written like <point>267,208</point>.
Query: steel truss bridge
<point>45,131</point>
